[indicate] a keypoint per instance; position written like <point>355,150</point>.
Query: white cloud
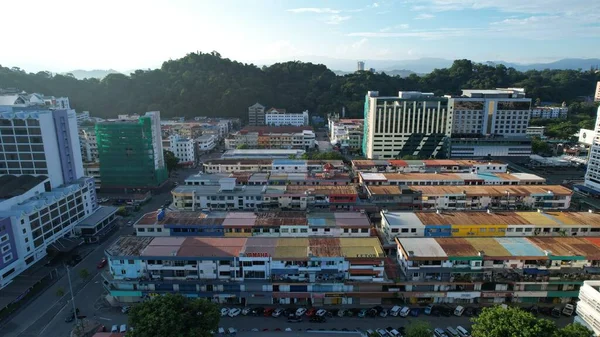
<point>401,26</point>
<point>374,5</point>
<point>314,10</point>
<point>336,19</point>
<point>358,44</point>
<point>424,16</point>
<point>424,34</point>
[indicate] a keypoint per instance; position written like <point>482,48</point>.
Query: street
<point>45,316</point>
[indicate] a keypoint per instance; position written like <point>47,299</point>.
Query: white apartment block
<point>40,142</point>
<point>279,117</point>
<point>588,307</point>
<point>348,133</point>
<point>184,149</point>
<point>592,176</point>
<point>413,123</point>
<point>82,117</point>
<point>504,111</point>
<point>206,143</point>
<point>535,131</point>
<point>549,112</point>
<point>89,144</point>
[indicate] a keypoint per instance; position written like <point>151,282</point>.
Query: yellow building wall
<point>478,230</point>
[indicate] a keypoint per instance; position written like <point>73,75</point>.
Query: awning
<point>65,245</point>
<point>535,271</point>
<point>592,270</point>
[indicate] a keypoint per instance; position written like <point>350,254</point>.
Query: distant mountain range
<point>401,68</point>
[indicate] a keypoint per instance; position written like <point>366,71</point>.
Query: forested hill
<point>206,84</point>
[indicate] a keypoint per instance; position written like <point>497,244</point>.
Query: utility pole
<point>72,296</point>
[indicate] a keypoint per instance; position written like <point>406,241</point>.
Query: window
<point>141,229</point>
<point>5,248</point>
<point>7,257</point>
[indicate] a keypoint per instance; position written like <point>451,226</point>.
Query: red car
<point>268,312</point>
<point>102,263</point>
<point>311,312</point>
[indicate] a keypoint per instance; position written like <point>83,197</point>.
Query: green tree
<point>60,292</point>
<point>573,330</point>
<point>174,315</point>
<point>171,161</point>
<point>539,146</point>
<point>84,274</point>
<point>514,322</point>
<point>242,147</point>
<point>418,329</point>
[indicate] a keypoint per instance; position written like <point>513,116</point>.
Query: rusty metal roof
<point>457,247</point>
<point>470,218</point>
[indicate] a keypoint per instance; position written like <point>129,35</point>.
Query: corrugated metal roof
<point>489,247</point>
<point>422,247</point>
<point>566,246</point>
<point>470,218</point>
<point>385,190</point>
<point>489,190</point>
<point>129,245</point>
<point>577,218</point>
<point>457,247</point>
<point>538,219</point>
<point>400,219</point>
<point>520,247</point>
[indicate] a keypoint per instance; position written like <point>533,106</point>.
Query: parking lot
<point>262,320</point>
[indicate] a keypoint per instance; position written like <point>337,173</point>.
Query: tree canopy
<point>419,329</point>
<point>170,161</point>
<point>514,322</point>
<point>207,84</point>
<point>174,315</point>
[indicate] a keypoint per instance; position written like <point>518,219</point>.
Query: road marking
<point>104,318</point>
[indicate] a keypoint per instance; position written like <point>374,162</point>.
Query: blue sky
<point>63,35</point>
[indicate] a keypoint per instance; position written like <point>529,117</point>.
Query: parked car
<point>277,312</point>
<point>446,311</point>
<point>234,312</point>
<point>289,311</point>
<point>383,313</point>
<point>428,309</point>
<point>321,312</point>
<point>372,312</point>
<point>268,312</point>
<point>257,311</point>
<point>404,312</point>
<point>415,312</point>
<point>102,263</point>
<point>224,312</point>
<point>437,332</point>
<point>311,312</point>
<point>125,309</point>
<point>231,331</point>
<point>246,311</point>
<point>556,312</point>
<point>294,319</point>
<point>568,309</point>
<point>534,310</point>
<point>469,312</point>
<point>115,328</point>
<point>459,310</point>
<point>341,313</point>
<point>300,311</point>
<point>395,310</point>
<point>382,333</point>
<point>333,312</point>
<point>123,328</point>
<point>362,313</point>
<point>318,319</point>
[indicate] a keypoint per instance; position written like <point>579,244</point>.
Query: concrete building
<point>262,154</point>
<point>184,149</point>
<point>83,117</point>
<point>206,143</point>
<point>88,143</point>
<point>247,271</point>
<point>40,142</point>
<point>256,115</point>
<point>131,153</point>
<point>279,117</point>
<point>92,169</point>
<point>597,93</point>
<point>267,165</point>
<point>592,175</point>
<point>588,307</point>
<point>346,133</point>
<point>413,123</point>
<point>360,66</point>
<point>488,147</point>
<point>550,112</point>
<point>429,166</point>
<point>247,224</point>
<point>535,131</point>
<point>504,111</point>
<point>367,179</point>
<point>276,137</point>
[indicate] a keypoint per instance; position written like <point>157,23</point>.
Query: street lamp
<point>72,296</point>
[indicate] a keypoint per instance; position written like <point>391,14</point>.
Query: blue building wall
<point>6,232</point>
<point>438,231</point>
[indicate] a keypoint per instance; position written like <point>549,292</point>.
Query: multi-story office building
<point>40,142</point>
<point>279,117</point>
<point>256,115</point>
<point>588,307</point>
<point>281,137</point>
<point>184,149</point>
<point>130,152</point>
<point>496,270</point>
<point>268,165</point>
<point>592,175</point>
<point>205,143</point>
<point>550,112</point>
<point>89,144</point>
<point>412,124</point>
<point>490,112</point>
<point>244,224</point>
<point>254,270</point>
<point>93,170</point>
<point>346,133</point>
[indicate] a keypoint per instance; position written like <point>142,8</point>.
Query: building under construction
<point>130,153</point>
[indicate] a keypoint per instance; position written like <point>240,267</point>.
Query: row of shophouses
<point>335,258</point>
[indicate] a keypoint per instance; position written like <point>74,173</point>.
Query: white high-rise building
<point>183,149</point>
<point>592,175</point>
<point>588,307</point>
<point>360,66</point>
<point>413,123</point>
<point>504,111</point>
<point>40,142</point>
<point>597,94</point>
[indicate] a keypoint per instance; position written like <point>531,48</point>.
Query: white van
<point>404,312</point>
<point>439,333</point>
<point>462,332</point>
<point>451,332</point>
<point>395,310</point>
<point>459,311</point>
<point>123,328</point>
<point>394,333</point>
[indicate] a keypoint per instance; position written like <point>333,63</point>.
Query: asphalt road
<point>45,315</point>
